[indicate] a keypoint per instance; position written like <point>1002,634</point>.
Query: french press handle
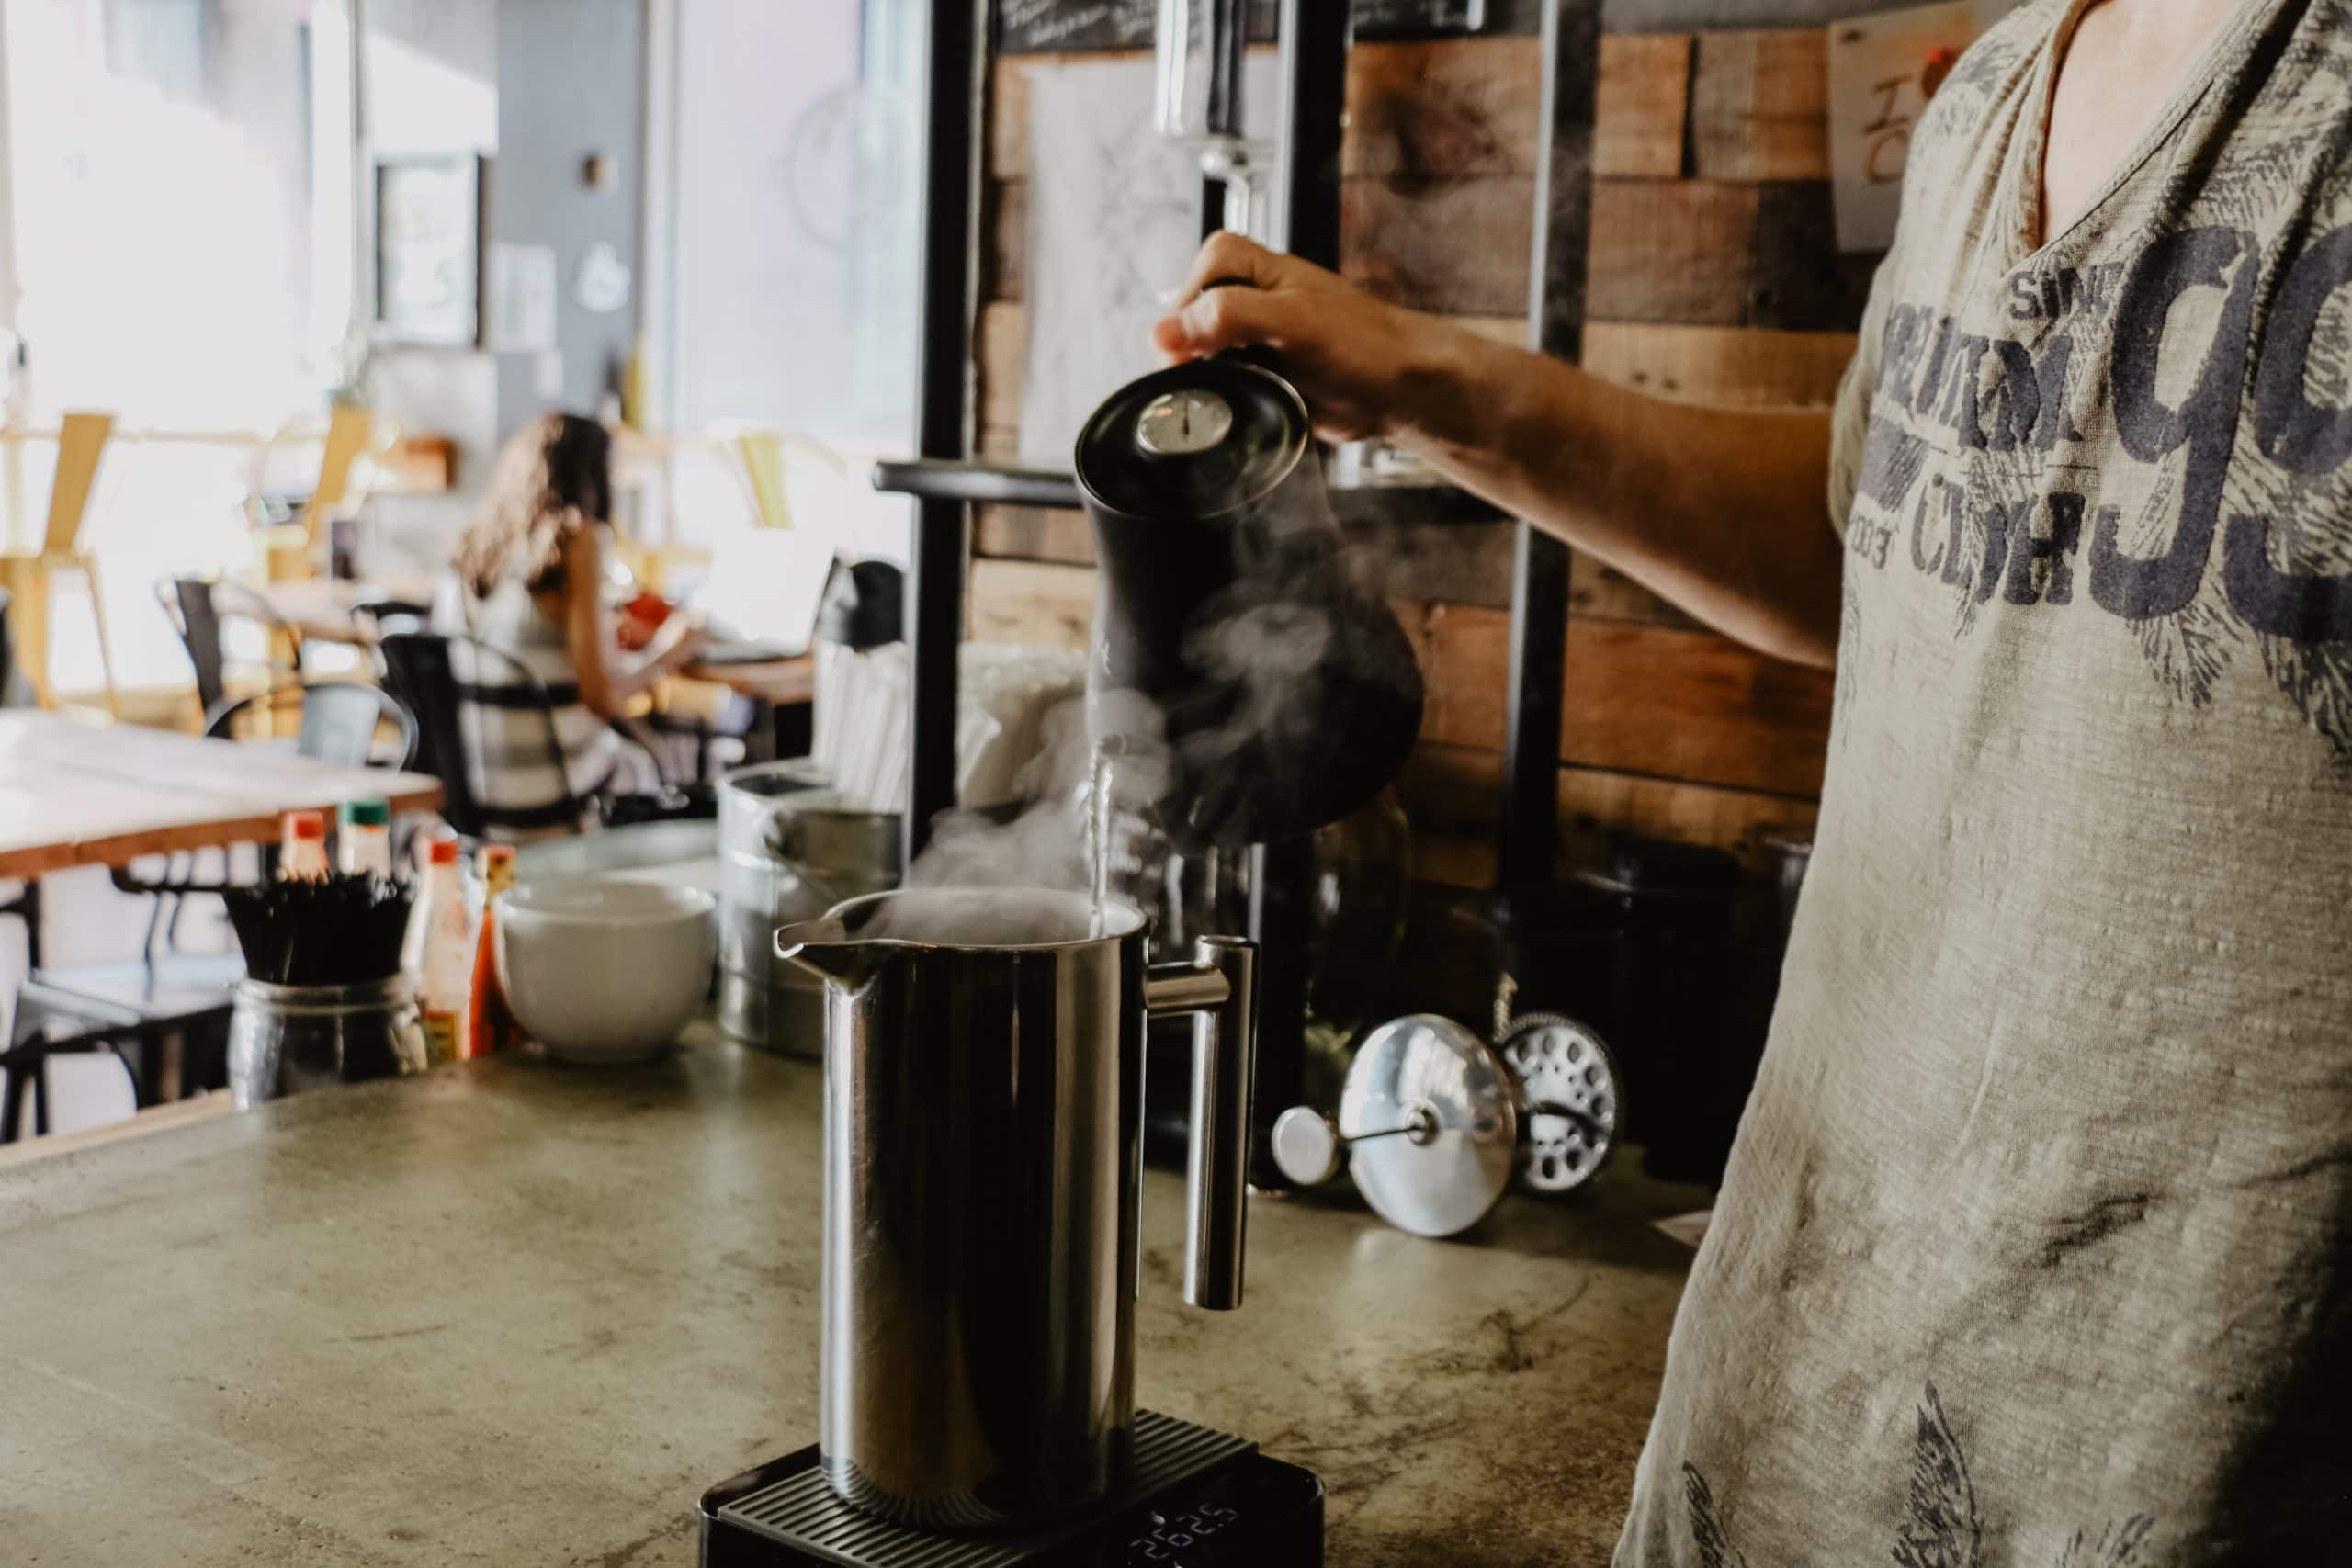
<point>1218,985</point>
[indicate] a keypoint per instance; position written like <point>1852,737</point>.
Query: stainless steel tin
<point>983,1160</point>
<point>286,1039</point>
<point>786,855</point>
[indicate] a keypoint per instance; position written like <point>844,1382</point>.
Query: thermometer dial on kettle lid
<point>1178,423</point>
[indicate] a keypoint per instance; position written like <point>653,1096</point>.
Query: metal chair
<point>295,532</point>
<point>380,618</point>
<point>196,606</point>
<point>418,665</point>
<point>148,1000</point>
<point>30,1103</point>
<point>341,721</point>
<point>112,1006</point>
<point>26,905</point>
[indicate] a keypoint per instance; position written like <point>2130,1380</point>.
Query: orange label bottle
<point>302,847</point>
<point>490,1023</point>
<point>436,955</point>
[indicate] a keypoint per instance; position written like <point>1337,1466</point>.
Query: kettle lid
<point>1192,442</point>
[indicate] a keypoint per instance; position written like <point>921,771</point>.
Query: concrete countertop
<point>515,1313</point>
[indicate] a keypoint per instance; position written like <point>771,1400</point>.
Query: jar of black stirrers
<point>324,1000</point>
<point>286,1039</point>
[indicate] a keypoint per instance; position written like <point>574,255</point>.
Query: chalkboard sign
<point>1394,19</point>
<point>1047,27</point>
<point>1043,26</point>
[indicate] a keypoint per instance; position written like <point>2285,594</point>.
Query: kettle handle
<point>1219,988</point>
<point>1252,353</point>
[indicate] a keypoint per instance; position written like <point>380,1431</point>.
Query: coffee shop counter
<point>510,1313</point>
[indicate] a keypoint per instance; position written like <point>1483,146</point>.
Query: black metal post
<point>1315,35</point>
<point>1529,840</point>
<point>1539,654</point>
<point>1282,923</point>
<point>935,623</point>
<point>1563,243</point>
<point>1281,875</point>
<point>1212,205</point>
<point>978,484</point>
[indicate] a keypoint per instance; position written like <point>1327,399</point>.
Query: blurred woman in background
<point>527,580</point>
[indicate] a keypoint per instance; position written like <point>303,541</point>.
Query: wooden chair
<point>759,456</point>
<point>760,453</point>
<point>81,444</point>
<point>299,549</point>
<point>351,431</point>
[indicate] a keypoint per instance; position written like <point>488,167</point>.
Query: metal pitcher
<point>983,1164</point>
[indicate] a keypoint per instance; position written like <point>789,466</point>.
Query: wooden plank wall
<point>1714,278</point>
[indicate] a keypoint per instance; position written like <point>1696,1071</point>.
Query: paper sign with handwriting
<point>1883,69</point>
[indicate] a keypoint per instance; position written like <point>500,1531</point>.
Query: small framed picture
<point>429,249</point>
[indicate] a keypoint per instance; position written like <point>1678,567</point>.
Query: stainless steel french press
<point>983,1172</point>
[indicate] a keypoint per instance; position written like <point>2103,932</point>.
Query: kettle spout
<point>823,947</point>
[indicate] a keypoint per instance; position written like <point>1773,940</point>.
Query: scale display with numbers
<point>1199,1499</point>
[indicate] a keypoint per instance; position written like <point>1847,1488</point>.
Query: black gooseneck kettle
<point>1234,623</point>
<point>1231,605</point>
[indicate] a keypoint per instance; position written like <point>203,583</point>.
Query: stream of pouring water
<point>1100,820</point>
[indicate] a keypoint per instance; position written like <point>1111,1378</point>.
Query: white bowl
<point>603,971</point>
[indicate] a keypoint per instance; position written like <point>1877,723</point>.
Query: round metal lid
<point>1571,1097</point>
<point>1305,1147</point>
<point>1192,442</point>
<point>1448,1173</point>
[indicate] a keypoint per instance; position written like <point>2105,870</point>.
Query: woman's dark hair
<point>554,477</point>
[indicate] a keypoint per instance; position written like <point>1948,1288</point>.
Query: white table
<point>79,793</point>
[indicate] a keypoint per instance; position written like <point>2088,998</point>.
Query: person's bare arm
<point>607,681</point>
<point>1725,512</point>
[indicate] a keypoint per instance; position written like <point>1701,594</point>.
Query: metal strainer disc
<point>1432,1075</point>
<point>1571,1090</point>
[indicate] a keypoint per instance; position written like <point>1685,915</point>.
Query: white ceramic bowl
<point>603,971</point>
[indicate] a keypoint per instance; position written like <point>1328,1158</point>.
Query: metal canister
<point>286,1039</point>
<point>788,852</point>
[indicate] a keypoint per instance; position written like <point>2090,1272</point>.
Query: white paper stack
<point>1006,735</point>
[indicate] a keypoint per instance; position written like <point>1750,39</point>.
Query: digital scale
<point>1198,1498</point>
